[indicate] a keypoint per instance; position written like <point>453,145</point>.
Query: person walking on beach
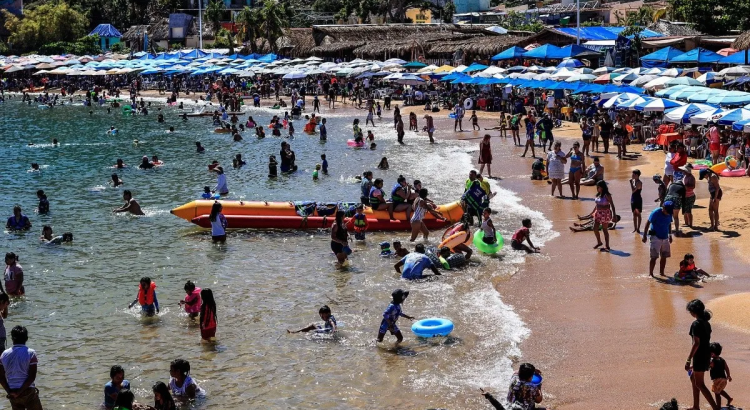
<point>18,367</point>
<point>659,229</point>
<point>676,194</point>
<point>714,190</point>
<point>430,125</point>
<point>687,204</point>
<point>604,212</point>
<point>556,168</point>
<point>458,110</point>
<point>636,199</point>
<point>485,155</point>
<point>700,353</point>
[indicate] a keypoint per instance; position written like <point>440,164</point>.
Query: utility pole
<point>200,25</point>
<point>578,22</point>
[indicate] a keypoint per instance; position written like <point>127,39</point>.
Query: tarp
<point>510,54</point>
<point>662,55</point>
<point>740,57</point>
<point>697,56</point>
<point>602,33</point>
<point>106,30</point>
<point>545,52</point>
<point>574,50</point>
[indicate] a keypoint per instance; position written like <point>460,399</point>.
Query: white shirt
<point>366,83</point>
<point>550,101</point>
<point>221,184</point>
<point>17,360</point>
<point>668,168</point>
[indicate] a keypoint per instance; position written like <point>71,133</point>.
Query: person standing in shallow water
<point>485,155</point>
<point>699,358</point>
<point>18,369</point>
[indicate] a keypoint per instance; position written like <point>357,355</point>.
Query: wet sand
<point>604,333</point>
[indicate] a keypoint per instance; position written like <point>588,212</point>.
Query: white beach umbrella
<point>736,71</point>
<point>657,84</point>
<point>640,81</point>
<point>603,70</point>
<point>671,72</point>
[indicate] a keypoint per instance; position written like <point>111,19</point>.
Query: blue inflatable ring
<point>432,327</point>
<point>485,247</point>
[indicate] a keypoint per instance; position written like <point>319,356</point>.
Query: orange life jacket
<point>146,298</point>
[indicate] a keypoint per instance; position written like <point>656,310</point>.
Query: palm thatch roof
<point>670,29</point>
<point>159,30</point>
<point>481,46</point>
<point>742,42</point>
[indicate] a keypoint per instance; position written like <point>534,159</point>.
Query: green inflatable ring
<point>485,247</point>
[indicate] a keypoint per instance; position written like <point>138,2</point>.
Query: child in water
<point>329,323</point>
<point>43,207</point>
<point>359,223</point>
<point>146,297</point>
<point>720,375</point>
<point>180,383</point>
<point>391,315</point>
<point>378,110</point>
<point>474,121</point>
<point>488,228</point>
<point>399,249</point>
<point>325,164</point>
<point>48,238</point>
<point>116,181</point>
<point>116,384</point>
<point>385,249</point>
<point>208,318</point>
<point>688,271</point>
<point>383,163</point>
<point>192,301</point>
<point>315,173</point>
<point>291,129</point>
<point>207,193</point>
<point>523,234</point>
<point>162,397</point>
<point>272,167</point>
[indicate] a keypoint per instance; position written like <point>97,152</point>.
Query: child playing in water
<point>413,122</point>
<point>399,249</point>
<point>116,384</point>
<point>43,206</point>
<point>474,121</point>
<point>192,301</point>
<point>329,323</point>
<point>385,249</point>
<point>359,223</point>
<point>536,169</point>
<point>146,297</point>
<point>291,129</point>
<point>688,271</point>
<point>323,130</point>
<point>315,173</point>
<point>116,181</point>
<point>719,375</point>
<point>325,164</point>
<point>208,318</point>
<point>523,234</point>
<point>180,382</point>
<point>490,237</point>
<point>378,110</point>
<point>383,164</point>
<point>207,193</point>
<point>162,397</point>
<point>391,315</point>
<point>272,167</point>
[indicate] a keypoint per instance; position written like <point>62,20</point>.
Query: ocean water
<point>264,282</point>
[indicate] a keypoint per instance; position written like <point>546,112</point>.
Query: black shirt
<point>718,369</point>
<point>606,128</point>
<point>676,189</point>
<point>702,330</point>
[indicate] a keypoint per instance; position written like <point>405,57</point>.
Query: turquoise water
<point>265,282</point>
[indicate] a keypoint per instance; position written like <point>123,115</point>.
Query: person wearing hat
<point>391,315</point>
<point>714,189</point>
<point>659,231</point>
<point>687,205</point>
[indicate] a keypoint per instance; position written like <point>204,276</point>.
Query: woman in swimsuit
<point>636,200</point>
<point>577,163</point>
<point>714,189</point>
<point>586,132</point>
<point>603,213</point>
<point>421,206</point>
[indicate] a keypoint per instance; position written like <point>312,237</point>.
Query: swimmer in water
<point>131,204</point>
<point>171,130</point>
<point>328,326</point>
<point>116,181</point>
<point>34,166</point>
<point>237,162</point>
<point>399,249</point>
<point>54,141</point>
<point>155,161</point>
<point>112,130</point>
<point>207,193</point>
<point>145,164</point>
<point>119,164</point>
<point>236,137</point>
<point>48,238</point>
<point>383,163</point>
<point>184,116</point>
<point>315,173</point>
<point>198,147</point>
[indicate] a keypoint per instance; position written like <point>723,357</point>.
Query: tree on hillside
<point>250,31</point>
<point>275,18</point>
<point>713,16</point>
<point>215,13</point>
<point>47,23</point>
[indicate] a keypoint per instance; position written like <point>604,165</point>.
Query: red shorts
<point>723,150</point>
<point>207,334</point>
<point>714,147</point>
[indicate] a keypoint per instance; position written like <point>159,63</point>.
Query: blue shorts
<point>384,328</point>
<point>148,309</point>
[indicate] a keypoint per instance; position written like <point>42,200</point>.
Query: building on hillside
<point>471,6</point>
<point>108,35</point>
<point>419,16</point>
<point>13,6</point>
<point>179,32</point>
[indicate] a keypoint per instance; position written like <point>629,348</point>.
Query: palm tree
<point>214,13</point>
<point>250,20</point>
<point>275,17</point>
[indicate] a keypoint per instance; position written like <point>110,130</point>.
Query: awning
<point>664,42</point>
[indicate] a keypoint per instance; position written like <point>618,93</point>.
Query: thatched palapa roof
<point>159,31</point>
<point>742,42</point>
<point>670,29</point>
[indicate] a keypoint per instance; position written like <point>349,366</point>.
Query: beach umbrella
<point>671,72</point>
<point>704,95</point>
<point>683,113</point>
<point>623,70</point>
<point>517,69</point>
<point>657,83</point>
<point>603,70</point>
<point>708,77</point>
<point>409,79</point>
<point>730,98</point>
<point>443,69</point>
<point>732,116</point>
<point>630,104</point>
<point>742,126</point>
<point>584,70</point>
<point>294,75</point>
<point>736,71</point>
<point>679,92</point>
<point>658,105</point>
<point>627,78</point>
<point>535,69</point>
<point>643,80</point>
<point>510,54</point>
<point>491,71</point>
<point>707,116</point>
<point>682,81</point>
<point>395,61</point>
<point>475,67</point>
<point>581,77</point>
<point>570,63</point>
<point>414,65</point>
<point>654,71</point>
<point>428,69</point>
<point>459,69</point>
<point>545,52</point>
<point>313,58</point>
<point>563,74</point>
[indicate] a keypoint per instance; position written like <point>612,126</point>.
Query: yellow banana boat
<point>451,211</point>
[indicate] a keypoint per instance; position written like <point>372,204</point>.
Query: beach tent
<point>740,57</point>
<point>658,105</point>
<point>696,56</point>
<point>683,113</point>
<point>415,64</point>
<point>510,54</point>
<point>659,58</point>
<point>545,52</point>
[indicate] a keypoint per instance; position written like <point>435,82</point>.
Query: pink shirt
<point>194,300</point>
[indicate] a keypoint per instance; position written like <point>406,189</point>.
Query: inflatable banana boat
<point>304,215</point>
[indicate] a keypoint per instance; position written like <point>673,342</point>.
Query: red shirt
<point>678,160</point>
<point>521,234</point>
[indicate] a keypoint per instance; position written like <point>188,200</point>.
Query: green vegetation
<point>54,22</point>
<point>712,16</point>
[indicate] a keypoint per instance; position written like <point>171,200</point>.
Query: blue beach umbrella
<point>510,54</point>
<point>570,63</point>
<point>732,116</point>
<point>683,113</point>
<point>657,105</point>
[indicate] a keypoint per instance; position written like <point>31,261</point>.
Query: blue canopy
<point>147,57</point>
<point>510,54</point>
<point>590,88</point>
<point>193,54</point>
<point>602,33</point>
<point>574,50</point>
<point>268,58</point>
<point>662,55</point>
<point>740,57</point>
<point>473,67</point>
<point>697,56</point>
<point>740,125</point>
<point>106,30</point>
<point>545,52</point>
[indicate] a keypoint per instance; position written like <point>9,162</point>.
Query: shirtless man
<point>430,125</point>
<point>131,205</point>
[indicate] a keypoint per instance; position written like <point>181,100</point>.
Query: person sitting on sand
<point>131,204</point>
<point>589,224</point>
<point>688,271</point>
<point>594,174</point>
<point>523,234</point>
<point>328,326</point>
